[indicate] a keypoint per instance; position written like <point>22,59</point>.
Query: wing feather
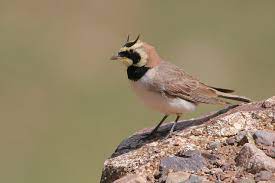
<point>174,82</point>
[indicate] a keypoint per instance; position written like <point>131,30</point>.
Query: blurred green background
<point>64,106</point>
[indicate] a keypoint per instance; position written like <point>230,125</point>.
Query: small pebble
<point>230,141</point>
<point>194,179</point>
<point>214,145</point>
<point>263,176</point>
<point>216,170</point>
<point>225,167</point>
<point>240,135</point>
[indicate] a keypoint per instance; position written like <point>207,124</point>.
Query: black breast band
<point>135,73</point>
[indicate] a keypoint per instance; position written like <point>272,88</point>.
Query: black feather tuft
<point>129,44</point>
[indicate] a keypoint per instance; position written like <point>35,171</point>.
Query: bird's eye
<point>131,51</point>
<point>122,54</point>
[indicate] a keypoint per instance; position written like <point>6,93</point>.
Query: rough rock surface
<point>263,176</point>
<point>175,177</point>
<point>254,160</point>
<point>192,162</point>
<point>131,179</point>
<point>234,144</point>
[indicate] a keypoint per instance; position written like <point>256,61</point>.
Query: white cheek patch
<point>143,57</point>
<point>137,45</point>
<point>123,49</point>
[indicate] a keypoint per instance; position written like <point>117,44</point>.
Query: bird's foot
<point>170,134</point>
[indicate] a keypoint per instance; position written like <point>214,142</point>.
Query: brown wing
<point>174,82</point>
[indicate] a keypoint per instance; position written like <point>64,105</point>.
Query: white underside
<point>157,101</point>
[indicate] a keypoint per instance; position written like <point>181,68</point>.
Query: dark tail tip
<point>237,98</point>
<point>223,90</point>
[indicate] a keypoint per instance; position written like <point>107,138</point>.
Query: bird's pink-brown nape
<point>153,57</point>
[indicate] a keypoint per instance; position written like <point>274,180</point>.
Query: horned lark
<point>165,87</point>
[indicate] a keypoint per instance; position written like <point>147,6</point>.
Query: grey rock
<point>269,102</point>
<point>254,160</point>
<point>211,158</point>
<point>230,141</point>
<point>263,176</point>
<point>244,140</point>
<point>239,136</point>
<point>214,145</point>
<point>188,162</point>
<point>194,179</point>
<point>176,177</point>
<point>270,151</point>
<point>266,138</point>
<point>131,179</point>
<point>266,141</point>
<point>247,138</point>
<point>189,153</point>
<point>247,180</point>
<point>216,170</point>
<point>226,167</point>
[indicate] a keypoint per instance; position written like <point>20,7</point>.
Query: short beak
<point>115,57</point>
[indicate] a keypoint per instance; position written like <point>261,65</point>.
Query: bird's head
<point>137,53</point>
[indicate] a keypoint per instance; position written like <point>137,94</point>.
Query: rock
<point>244,140</point>
<point>269,151</point>
<point>194,179</point>
<point>254,160</point>
<point>266,138</point>
<point>230,141</point>
<point>142,156</point>
<point>266,141</point>
<point>157,174</point>
<point>230,125</point>
<point>194,162</point>
<point>228,175</point>
<point>214,145</point>
<point>131,179</point>
<point>189,153</point>
<point>211,158</point>
<point>197,132</point>
<point>216,170</point>
<point>263,176</point>
<point>246,180</point>
<point>226,167</point>
<point>227,126</point>
<point>176,177</point>
<point>247,138</point>
<point>269,102</point>
<point>239,136</point>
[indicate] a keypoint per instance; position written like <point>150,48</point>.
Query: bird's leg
<point>156,128</point>
<point>173,127</point>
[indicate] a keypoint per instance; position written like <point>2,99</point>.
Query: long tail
<point>224,93</point>
<point>222,89</point>
<point>233,97</point>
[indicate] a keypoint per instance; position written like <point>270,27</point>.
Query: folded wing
<point>174,82</point>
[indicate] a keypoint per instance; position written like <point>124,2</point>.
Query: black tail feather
<point>223,90</point>
<point>235,97</point>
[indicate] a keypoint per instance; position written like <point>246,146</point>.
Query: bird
<point>165,87</point>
